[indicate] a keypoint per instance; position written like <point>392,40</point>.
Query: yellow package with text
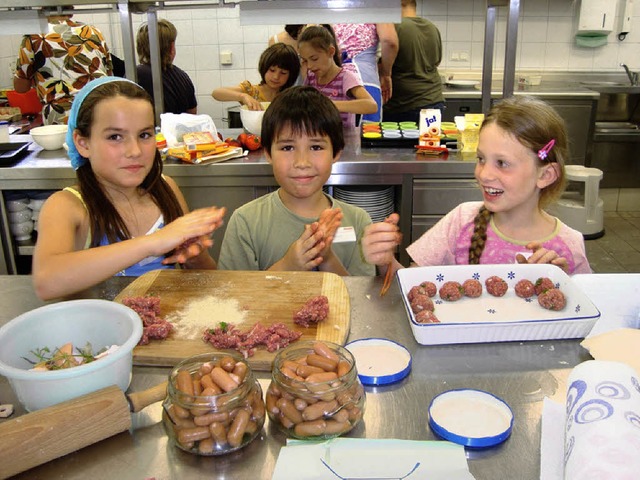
<point>470,135</point>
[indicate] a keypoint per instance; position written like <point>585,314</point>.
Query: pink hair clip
<point>544,151</point>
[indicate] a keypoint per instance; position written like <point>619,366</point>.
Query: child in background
<point>296,227</point>
<point>520,170</point>
<point>321,59</point>
<point>279,66</point>
<point>123,216</point>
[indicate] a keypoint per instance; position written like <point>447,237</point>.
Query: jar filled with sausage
<point>214,404</point>
<point>315,392</point>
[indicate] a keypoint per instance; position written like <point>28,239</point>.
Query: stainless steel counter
<point>522,373</point>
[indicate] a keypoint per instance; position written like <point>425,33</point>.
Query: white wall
<point>545,42</point>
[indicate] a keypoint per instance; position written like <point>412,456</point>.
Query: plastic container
<point>222,413</point>
<point>100,322</point>
<point>318,403</point>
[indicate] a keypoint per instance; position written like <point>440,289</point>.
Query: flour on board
<point>203,313</point>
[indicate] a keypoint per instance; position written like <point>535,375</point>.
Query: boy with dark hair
<point>298,227</point>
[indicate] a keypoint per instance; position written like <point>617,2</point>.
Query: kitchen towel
<point>601,425</point>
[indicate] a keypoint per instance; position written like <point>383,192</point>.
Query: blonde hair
<point>534,123</point>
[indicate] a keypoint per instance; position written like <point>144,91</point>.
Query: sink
<point>602,84</point>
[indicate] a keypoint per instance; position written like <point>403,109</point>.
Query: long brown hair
<point>104,218</point>
<point>167,34</point>
<point>321,37</point>
<point>534,123</point>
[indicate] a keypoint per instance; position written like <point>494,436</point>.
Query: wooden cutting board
<point>250,297</point>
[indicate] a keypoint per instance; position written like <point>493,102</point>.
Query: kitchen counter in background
<point>522,373</point>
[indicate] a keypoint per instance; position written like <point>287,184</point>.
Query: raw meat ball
<point>525,288</point>
<point>472,288</point>
<point>415,291</point>
<point>430,288</point>
<point>543,284</point>
<point>421,302</point>
<point>426,316</point>
<point>451,291</point>
<point>496,286</point>
<point>552,299</point>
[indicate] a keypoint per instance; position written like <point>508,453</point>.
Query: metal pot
<point>233,117</point>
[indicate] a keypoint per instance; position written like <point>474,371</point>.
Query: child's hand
<point>304,253</point>
<point>543,255</point>
<point>194,225</point>
<point>380,241</point>
<point>189,249</point>
<point>250,102</point>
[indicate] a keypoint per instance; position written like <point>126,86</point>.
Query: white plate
<point>498,319</point>
<point>463,83</point>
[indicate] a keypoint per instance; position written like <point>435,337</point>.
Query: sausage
<point>300,404</point>
<point>271,400</point>
<point>219,433</point>
<point>187,435</point>
<point>197,387</point>
<point>289,410</point>
<point>333,427</point>
<point>324,350</point>
<point>321,377</point>
<point>319,409</point>
<point>327,364</point>
<point>306,370</point>
<point>209,418</point>
<point>310,429</point>
<point>343,368</point>
<point>227,363</point>
<point>206,446</point>
<point>240,370</point>
<point>184,383</point>
<point>222,379</point>
<point>180,422</point>
<point>237,428</point>
<point>205,368</point>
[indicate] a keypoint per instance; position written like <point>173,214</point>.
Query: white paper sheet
<point>352,458</point>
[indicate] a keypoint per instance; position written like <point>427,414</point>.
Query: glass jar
<point>214,404</point>
<point>315,392</point>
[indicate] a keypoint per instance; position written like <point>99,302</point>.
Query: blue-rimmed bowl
<point>473,418</point>
<point>380,361</point>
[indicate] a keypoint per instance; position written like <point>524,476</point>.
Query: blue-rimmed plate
<point>473,418</point>
<point>380,361</point>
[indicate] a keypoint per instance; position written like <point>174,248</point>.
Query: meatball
<point>496,286</point>
<point>472,288</point>
<point>415,291</point>
<point>451,291</point>
<point>430,288</point>
<point>525,288</point>
<point>426,316</point>
<point>543,284</point>
<point>421,302</point>
<point>552,299</point>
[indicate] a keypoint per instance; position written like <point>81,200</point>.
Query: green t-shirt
<point>260,232</point>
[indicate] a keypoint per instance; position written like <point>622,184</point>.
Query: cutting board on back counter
<point>196,300</point>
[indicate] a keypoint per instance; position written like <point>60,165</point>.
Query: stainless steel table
<point>522,373</point>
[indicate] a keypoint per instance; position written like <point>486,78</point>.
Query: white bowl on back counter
<point>252,119</point>
<point>49,137</point>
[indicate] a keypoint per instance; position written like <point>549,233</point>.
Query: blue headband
<point>78,160</point>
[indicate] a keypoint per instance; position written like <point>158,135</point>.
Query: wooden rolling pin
<point>38,437</point>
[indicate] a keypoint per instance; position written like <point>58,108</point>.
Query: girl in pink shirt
<point>521,153</point>
<point>320,58</point>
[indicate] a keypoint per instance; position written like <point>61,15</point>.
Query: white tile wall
<point>545,42</point>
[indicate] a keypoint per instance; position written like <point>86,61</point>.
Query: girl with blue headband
<point>123,217</point>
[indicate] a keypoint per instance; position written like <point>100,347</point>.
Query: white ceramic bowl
<point>49,137</point>
<point>17,204</point>
<point>252,119</point>
<point>100,322</point>
<point>20,216</point>
<point>22,230</point>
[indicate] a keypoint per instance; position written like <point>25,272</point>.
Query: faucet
<point>633,76</point>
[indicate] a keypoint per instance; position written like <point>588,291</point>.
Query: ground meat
<point>426,316</point>
<point>430,288</point>
<point>552,299</point>
<point>313,312</point>
<point>525,288</point>
<point>496,286</point>
<point>420,303</point>
<point>543,284</point>
<point>472,288</point>
<point>154,327</point>
<point>451,291</point>
<point>228,336</point>
<point>415,291</point>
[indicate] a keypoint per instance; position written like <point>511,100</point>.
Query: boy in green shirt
<point>298,227</point>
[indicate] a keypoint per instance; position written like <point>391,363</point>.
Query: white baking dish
<point>498,319</point>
